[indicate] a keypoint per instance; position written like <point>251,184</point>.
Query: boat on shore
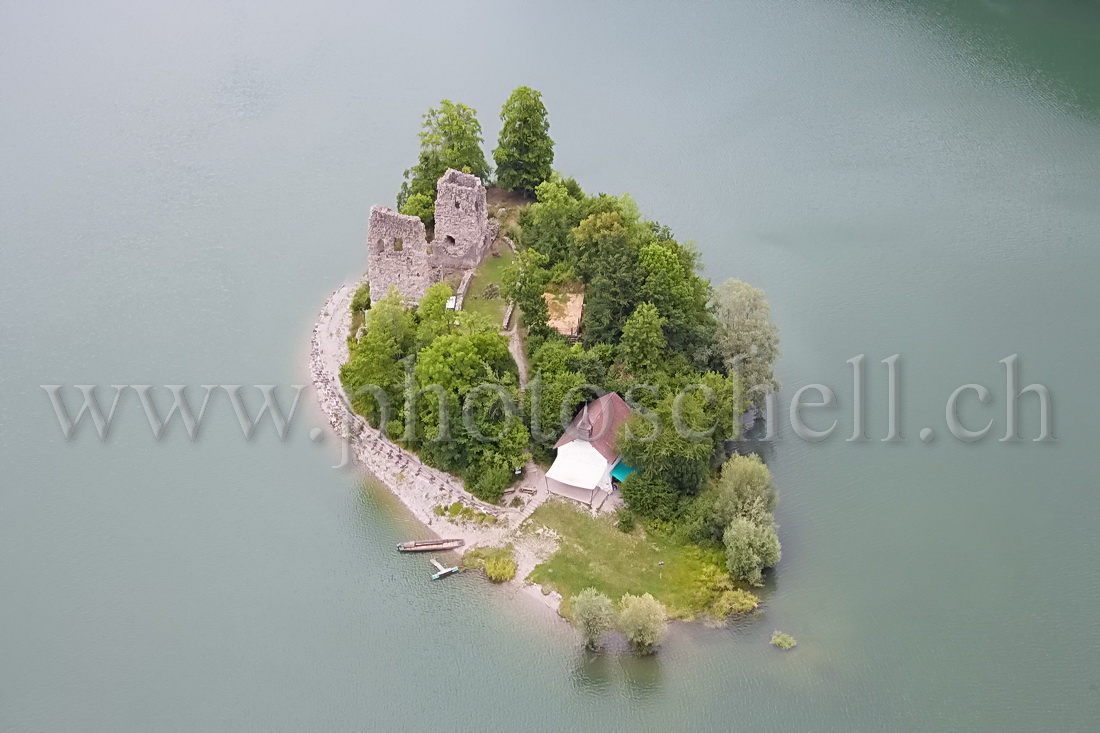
<point>430,545</point>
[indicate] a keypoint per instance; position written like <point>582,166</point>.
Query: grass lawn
<point>594,554</point>
<point>490,271</point>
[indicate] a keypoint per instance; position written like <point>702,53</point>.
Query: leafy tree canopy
<point>548,224</point>
<point>643,340</point>
<point>750,547</point>
<point>747,340</point>
<point>523,283</point>
<point>643,620</point>
<point>525,152</point>
<point>421,205</point>
<point>450,137</point>
<point>743,490</point>
<point>593,614</point>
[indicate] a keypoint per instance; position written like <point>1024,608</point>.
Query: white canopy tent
<point>579,464</point>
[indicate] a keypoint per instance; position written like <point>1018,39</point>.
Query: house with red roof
<point>588,462</point>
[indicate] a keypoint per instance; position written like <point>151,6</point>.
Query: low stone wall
<point>463,288</point>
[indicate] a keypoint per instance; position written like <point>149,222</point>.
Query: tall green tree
<point>525,153</point>
<point>750,547</point>
<point>643,341</point>
<point>461,424</point>
<point>673,443</point>
<point>681,296</point>
<point>450,137</point>
<point>672,455</point>
<point>433,318</point>
<point>648,495</point>
<point>523,283</point>
<point>606,258</point>
<point>747,339</point>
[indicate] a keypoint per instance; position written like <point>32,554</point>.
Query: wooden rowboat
<point>430,545</point>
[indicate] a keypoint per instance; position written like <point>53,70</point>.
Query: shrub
<point>500,569</point>
<point>513,232</point>
<point>650,496</point>
<point>491,292</point>
<point>735,601</point>
<point>643,620</point>
<point>750,548</point>
<point>562,274</point>
<point>361,300</point>
<point>459,511</point>
<point>499,563</point>
<point>624,520</point>
<point>783,641</point>
<point>592,615</point>
<point>488,479</point>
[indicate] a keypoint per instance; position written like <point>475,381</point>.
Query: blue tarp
<point>621,471</point>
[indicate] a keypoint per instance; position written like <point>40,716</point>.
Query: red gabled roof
<point>605,415</point>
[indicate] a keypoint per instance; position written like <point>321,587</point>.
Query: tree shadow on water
<point>593,672</point>
<point>596,673</point>
<point>642,675</point>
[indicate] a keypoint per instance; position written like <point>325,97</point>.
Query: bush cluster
<point>460,511</point>
<point>499,563</point>
<point>783,641</point>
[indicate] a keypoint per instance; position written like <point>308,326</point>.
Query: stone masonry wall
<point>397,255</point>
<point>462,234</point>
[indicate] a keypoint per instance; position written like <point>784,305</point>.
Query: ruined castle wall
<point>397,255</point>
<point>462,233</point>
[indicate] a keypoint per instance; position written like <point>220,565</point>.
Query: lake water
<point>185,185</point>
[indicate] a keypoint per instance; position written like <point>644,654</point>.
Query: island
<point>544,376</point>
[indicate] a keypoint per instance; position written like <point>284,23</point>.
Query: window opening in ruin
<point>398,244</point>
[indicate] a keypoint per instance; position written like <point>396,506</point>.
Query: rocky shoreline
<point>420,488</point>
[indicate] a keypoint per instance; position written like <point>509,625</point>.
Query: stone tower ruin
<point>398,252</point>
<point>461,225</point>
<point>397,255</point>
